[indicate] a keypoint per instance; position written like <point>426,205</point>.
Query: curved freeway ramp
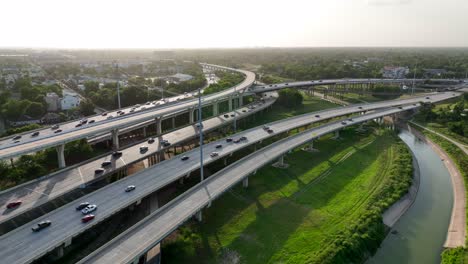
<point>137,240</point>
<point>41,191</point>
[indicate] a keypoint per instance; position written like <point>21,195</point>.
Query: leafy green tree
<point>290,98</point>
<point>91,86</point>
<point>35,110</point>
<point>14,109</point>
<point>87,107</point>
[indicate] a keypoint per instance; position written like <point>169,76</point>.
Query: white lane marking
<point>41,193</point>
<point>81,175</point>
<point>125,164</point>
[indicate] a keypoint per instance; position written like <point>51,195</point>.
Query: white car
<point>214,154</point>
<point>88,209</point>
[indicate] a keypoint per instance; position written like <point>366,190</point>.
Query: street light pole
<point>200,131</point>
<point>414,79</point>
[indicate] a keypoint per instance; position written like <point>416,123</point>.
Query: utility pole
<point>200,131</point>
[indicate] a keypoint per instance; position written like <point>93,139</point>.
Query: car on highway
<point>116,154</point>
<point>81,206</point>
<point>13,204</point>
<point>184,158</point>
<point>41,225</point>
<point>78,125</point>
<point>226,116</point>
<point>35,134</point>
<point>360,107</point>
<point>16,141</point>
<point>317,116</point>
<point>106,163</point>
<point>118,112</point>
<point>214,154</point>
<point>58,131</point>
<point>104,114</point>
<point>84,121</point>
<point>218,146</point>
<point>243,138</point>
<point>132,110</point>
<point>55,127</point>
<point>228,139</point>
<point>98,171</point>
<point>233,115</point>
<point>17,137</point>
<point>91,121</point>
<point>237,140</point>
<point>87,218</point>
<point>88,209</point>
<point>265,127</point>
<point>343,122</point>
<point>110,117</point>
<point>428,97</point>
<point>151,141</point>
<point>130,188</point>
<point>243,110</point>
<point>350,120</point>
<point>143,148</point>
<point>165,143</point>
<point>400,107</point>
<point>270,131</point>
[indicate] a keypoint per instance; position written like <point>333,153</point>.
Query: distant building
<point>179,77</point>
<point>431,73</point>
<point>393,72</point>
<point>69,101</point>
<point>53,102</point>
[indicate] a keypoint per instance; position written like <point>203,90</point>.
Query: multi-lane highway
<point>38,192</point>
<point>45,189</point>
<point>272,87</point>
<point>128,246</point>
<point>48,138</point>
<point>25,246</point>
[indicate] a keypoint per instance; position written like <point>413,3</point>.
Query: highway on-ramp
<point>23,246</point>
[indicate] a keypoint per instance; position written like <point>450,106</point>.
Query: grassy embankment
<point>326,207</point>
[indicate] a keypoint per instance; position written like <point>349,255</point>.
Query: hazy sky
<point>239,23</point>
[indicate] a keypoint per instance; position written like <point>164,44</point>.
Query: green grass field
<point>286,215</point>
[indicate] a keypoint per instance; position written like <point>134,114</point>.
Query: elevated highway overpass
<point>25,246</point>
<point>36,193</point>
<point>48,138</point>
<point>346,83</point>
<point>139,239</point>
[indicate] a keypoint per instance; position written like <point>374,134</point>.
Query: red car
<point>14,204</point>
<point>87,218</point>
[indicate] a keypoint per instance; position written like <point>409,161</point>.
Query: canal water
<point>422,230</point>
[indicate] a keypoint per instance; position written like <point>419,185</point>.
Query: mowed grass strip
<point>286,214</point>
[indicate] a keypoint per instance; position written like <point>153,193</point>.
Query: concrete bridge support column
<point>337,134</point>
<point>115,139</point>
<point>191,112</point>
<point>199,216</point>
<point>241,100</point>
<point>144,132</point>
<point>245,182</point>
<point>230,104</point>
<point>310,147</point>
<point>159,126</point>
<point>173,123</point>
<point>61,156</point>
<point>280,163</point>
<point>215,109</point>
